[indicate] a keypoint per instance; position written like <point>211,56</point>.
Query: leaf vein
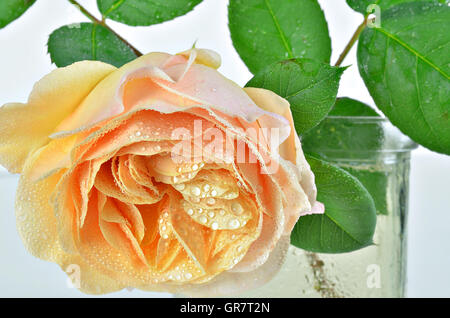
<point>278,27</point>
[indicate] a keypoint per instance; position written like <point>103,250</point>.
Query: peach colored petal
<point>271,102</point>
<point>167,251</point>
<point>150,215</point>
<point>184,227</point>
<point>53,157</point>
<point>233,284</point>
<point>37,226</point>
<point>103,102</point>
<point>119,235</point>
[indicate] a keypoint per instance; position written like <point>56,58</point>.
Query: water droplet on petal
<point>237,208</point>
<point>180,186</point>
<point>234,223</point>
<point>196,191</point>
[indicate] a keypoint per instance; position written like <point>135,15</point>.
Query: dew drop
<point>211,201</point>
<point>236,208</point>
<point>196,191</point>
<point>203,219</point>
<point>213,193</point>
<point>190,212</point>
<point>234,223</point>
<point>180,186</point>
<point>214,226</point>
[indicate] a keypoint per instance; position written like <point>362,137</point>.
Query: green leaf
<point>144,12</point>
<point>344,136</point>
<point>339,140</point>
<point>350,107</point>
<point>376,182</point>
<point>405,65</point>
<point>10,10</point>
<point>361,5</point>
<point>309,86</point>
<point>349,220</point>
<point>87,41</point>
<point>267,31</point>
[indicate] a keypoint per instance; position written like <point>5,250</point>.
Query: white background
<point>24,60</point>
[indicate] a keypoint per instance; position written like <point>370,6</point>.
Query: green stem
<point>103,23</point>
<point>352,41</point>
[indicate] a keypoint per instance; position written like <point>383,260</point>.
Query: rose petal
<point>65,88</point>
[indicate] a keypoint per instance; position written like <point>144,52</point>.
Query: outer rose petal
<point>36,224</point>
<point>271,102</point>
<point>291,149</point>
<point>179,89</point>
<point>26,127</point>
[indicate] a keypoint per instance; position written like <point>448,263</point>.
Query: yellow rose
<point>160,175</point>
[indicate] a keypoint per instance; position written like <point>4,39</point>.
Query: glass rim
<point>394,140</point>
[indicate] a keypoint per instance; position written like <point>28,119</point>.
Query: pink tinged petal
<point>104,101</point>
<point>209,88</point>
<point>318,208</point>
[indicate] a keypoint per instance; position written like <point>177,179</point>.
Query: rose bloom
<point>102,188</point>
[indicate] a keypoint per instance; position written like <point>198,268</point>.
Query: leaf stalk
<point>102,22</point>
<point>352,42</point>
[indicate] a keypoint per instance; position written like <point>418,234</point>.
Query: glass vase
<point>378,154</point>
